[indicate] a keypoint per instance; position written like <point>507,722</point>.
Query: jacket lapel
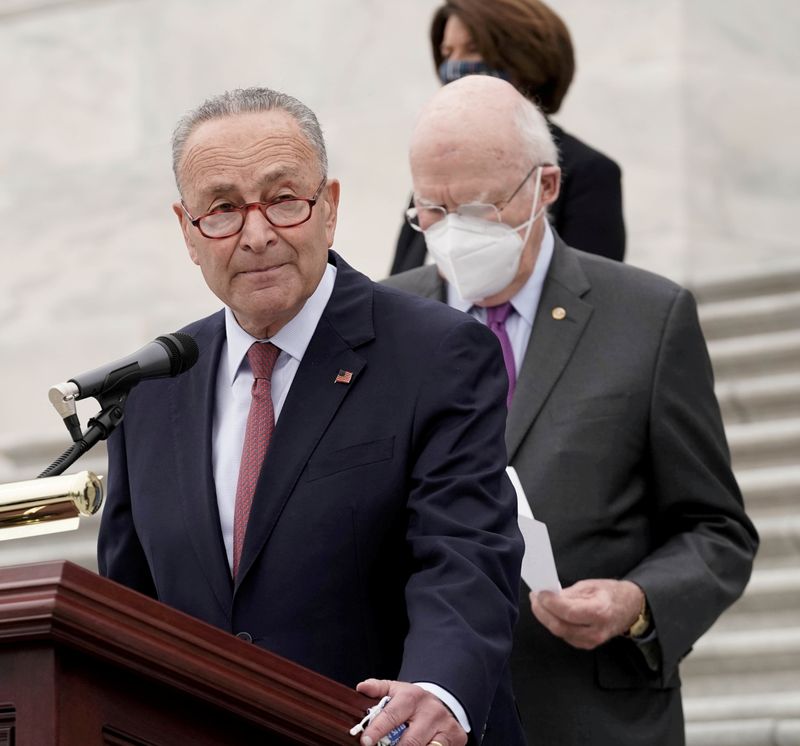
<point>193,408</point>
<point>312,402</point>
<point>552,341</point>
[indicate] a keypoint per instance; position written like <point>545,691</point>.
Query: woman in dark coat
<point>526,43</point>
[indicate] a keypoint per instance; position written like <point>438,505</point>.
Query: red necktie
<point>496,317</point>
<point>257,435</point>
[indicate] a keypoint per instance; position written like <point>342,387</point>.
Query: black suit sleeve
<point>410,250</point>
<point>120,555</point>
<point>588,215</point>
<point>706,542</point>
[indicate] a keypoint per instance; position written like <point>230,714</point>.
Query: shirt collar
<point>293,338</point>
<point>526,299</point>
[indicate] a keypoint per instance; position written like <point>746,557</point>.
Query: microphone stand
<point>99,428</point>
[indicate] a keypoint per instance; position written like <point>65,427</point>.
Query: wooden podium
<point>85,661</point>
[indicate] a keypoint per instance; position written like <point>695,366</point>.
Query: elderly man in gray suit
<point>613,427</point>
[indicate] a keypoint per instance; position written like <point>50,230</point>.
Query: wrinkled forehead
<point>242,148</point>
<point>463,136</point>
<point>464,168</point>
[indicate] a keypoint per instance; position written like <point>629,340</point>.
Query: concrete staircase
<point>742,680</point>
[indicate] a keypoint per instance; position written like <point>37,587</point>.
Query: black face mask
<point>451,70</point>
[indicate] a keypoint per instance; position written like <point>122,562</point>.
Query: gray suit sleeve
<point>706,543</point>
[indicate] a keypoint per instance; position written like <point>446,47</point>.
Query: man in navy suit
<point>380,547</point>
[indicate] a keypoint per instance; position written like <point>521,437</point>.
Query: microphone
<point>166,356</point>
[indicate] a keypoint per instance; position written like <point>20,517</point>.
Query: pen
<point>392,738</point>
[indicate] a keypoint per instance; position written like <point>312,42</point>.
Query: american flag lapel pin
<point>344,376</point>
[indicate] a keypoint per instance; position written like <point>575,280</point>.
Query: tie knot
<point>262,357</point>
<point>499,314</point>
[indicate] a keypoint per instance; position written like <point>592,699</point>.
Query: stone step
<point>744,282</point>
<point>758,732</point>
<point>734,619</point>
<point>770,590</point>
<point>780,539</point>
<point>718,685</point>
<point>761,398</point>
<point>770,491</point>
<point>758,354</point>
<point>744,316</point>
<point>767,443</point>
<point>756,705</point>
<point>745,651</point>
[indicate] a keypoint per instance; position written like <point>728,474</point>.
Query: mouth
<point>261,271</point>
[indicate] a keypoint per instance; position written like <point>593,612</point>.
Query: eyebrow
<point>218,189</point>
<point>424,202</point>
<point>427,202</point>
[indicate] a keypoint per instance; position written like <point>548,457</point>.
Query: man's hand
<point>590,612</point>
<point>428,719</point>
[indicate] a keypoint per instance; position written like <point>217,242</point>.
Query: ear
<point>180,213</point>
<point>551,184</point>
<point>330,201</point>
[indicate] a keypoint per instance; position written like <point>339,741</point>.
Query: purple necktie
<point>496,319</point>
<point>258,433</point>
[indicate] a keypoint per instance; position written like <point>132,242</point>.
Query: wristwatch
<point>642,623</point>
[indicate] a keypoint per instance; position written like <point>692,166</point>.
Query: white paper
<point>523,507</point>
<point>538,563</point>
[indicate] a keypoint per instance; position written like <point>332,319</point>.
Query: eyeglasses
<point>227,220</point>
<point>422,217</point>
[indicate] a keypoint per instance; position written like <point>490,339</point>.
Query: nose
<point>257,232</point>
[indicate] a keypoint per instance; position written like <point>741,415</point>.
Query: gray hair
<point>535,134</point>
<point>247,100</point>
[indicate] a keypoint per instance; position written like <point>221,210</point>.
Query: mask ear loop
<point>534,216</point>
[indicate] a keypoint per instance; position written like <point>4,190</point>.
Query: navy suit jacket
<point>382,540</point>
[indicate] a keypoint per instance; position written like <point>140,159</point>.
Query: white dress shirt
<point>233,394</point>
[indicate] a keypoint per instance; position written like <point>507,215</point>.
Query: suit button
<point>246,636</point>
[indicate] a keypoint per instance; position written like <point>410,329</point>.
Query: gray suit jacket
<point>617,438</point>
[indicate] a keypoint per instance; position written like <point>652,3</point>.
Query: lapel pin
<point>344,376</point>
<point>558,313</point>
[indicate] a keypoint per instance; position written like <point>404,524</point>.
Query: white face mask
<point>480,257</point>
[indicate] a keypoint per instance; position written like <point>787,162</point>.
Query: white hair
<point>246,100</point>
<point>535,134</point>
